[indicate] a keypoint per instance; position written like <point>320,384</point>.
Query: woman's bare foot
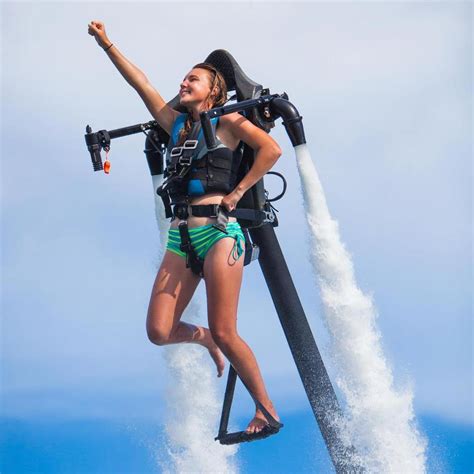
<point>259,421</point>
<point>218,358</point>
<point>205,338</point>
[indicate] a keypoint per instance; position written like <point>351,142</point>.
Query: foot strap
<point>243,436</point>
<point>272,427</point>
<point>271,421</point>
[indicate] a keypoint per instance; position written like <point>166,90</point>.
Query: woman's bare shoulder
<point>229,121</point>
<point>244,130</point>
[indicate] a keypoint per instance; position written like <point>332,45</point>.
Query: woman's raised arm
<point>157,106</point>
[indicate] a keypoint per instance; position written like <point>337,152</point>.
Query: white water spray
<point>192,406</point>
<point>379,421</point>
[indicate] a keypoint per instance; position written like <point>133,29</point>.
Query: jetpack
<point>257,218</point>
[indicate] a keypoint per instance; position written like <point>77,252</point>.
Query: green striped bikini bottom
<point>204,237</point>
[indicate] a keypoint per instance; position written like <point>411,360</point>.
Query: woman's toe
<point>255,426</point>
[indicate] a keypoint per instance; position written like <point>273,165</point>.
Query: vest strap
<point>192,258</point>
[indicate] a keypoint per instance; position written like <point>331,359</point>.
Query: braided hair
<point>214,99</point>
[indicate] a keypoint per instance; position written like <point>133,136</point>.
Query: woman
<point>201,89</point>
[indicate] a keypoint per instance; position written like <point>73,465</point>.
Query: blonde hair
<point>214,99</point>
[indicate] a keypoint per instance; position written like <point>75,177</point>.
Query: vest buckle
<point>180,211</point>
<point>214,210</point>
<point>176,151</point>
<point>190,144</point>
<point>185,160</point>
<point>269,216</point>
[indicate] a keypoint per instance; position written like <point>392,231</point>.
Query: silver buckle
<point>190,144</point>
<point>269,216</point>
<point>176,151</point>
<point>215,210</point>
<point>185,160</point>
<point>187,145</point>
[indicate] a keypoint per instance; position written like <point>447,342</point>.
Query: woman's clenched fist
<point>97,29</point>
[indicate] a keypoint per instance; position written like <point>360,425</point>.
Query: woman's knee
<point>157,334</point>
<point>171,294</point>
<point>224,337</point>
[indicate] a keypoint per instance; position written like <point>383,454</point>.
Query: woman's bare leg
<point>223,279</point>
<point>173,289</point>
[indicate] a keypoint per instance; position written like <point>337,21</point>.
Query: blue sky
<point>385,90</point>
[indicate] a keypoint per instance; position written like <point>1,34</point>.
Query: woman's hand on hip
<point>230,201</point>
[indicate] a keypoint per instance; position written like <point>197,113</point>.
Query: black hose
<point>284,186</point>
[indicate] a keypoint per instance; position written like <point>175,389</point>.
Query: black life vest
<point>193,170</point>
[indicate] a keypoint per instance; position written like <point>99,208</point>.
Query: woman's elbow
<point>271,151</point>
<point>276,151</point>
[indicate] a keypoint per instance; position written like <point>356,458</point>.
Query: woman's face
<point>195,87</point>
